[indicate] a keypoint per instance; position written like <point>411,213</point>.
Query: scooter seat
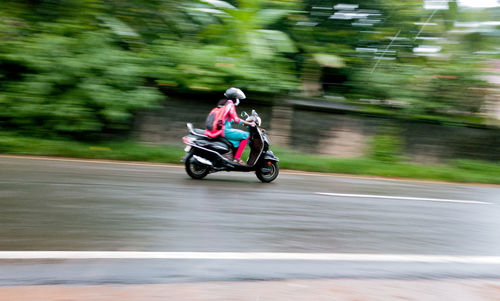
<point>201,132</point>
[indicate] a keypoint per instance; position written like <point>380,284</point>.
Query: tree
<point>232,46</point>
<point>68,77</point>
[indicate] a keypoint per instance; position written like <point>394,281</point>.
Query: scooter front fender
<point>269,156</point>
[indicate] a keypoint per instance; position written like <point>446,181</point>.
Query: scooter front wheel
<point>196,170</point>
<point>268,172</point>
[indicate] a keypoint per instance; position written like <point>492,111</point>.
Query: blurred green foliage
<point>79,67</point>
<point>65,76</point>
<point>386,146</point>
<point>76,84</point>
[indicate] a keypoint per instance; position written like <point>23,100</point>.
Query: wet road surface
<point>60,205</point>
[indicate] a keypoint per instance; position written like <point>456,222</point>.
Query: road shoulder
<point>282,171</point>
<point>289,290</point>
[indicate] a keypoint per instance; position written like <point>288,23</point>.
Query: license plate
<point>188,148</point>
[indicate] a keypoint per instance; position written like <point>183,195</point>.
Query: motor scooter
<point>206,155</point>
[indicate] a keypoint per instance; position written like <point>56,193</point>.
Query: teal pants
<point>235,136</point>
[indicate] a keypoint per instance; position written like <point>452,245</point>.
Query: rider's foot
<point>239,161</point>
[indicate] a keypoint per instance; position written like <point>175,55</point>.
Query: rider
<point>238,138</point>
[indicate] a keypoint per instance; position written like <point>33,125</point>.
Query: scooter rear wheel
<point>196,170</point>
<point>268,172</point>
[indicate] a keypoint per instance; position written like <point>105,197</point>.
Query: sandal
<point>239,161</point>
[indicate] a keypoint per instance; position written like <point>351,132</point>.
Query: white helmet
<point>235,94</point>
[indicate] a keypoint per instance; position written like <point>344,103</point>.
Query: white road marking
<point>249,256</point>
<point>401,198</point>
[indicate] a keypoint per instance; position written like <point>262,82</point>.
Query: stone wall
<point>335,131</point>
<point>167,124</point>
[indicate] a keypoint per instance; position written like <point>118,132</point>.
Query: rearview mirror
<point>244,114</point>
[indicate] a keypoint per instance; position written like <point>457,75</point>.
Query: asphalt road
<point>64,205</point>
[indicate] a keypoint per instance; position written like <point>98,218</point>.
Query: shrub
<point>386,146</point>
